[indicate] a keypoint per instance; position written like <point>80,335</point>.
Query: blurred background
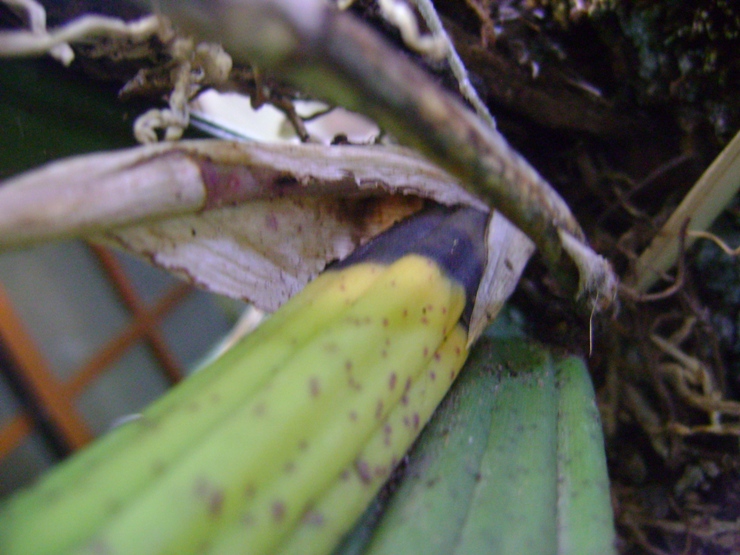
<point>87,337</point>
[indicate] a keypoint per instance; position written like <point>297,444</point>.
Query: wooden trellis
<point>51,400</point>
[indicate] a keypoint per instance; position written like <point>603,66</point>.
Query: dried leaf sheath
<point>247,220</point>
<point>86,194</point>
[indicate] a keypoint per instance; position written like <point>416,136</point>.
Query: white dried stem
<point>398,14</point>
<point>204,64</point>
<point>597,282</point>
<point>717,186</point>
<point>429,13</point>
<point>40,41</point>
<point>175,119</point>
<point>36,15</point>
<point>716,240</point>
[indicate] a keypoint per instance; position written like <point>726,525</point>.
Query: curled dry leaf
<point>247,220</point>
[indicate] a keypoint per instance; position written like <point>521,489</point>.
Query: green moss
<point>685,52</point>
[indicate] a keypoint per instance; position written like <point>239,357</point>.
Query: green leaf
<point>585,520</point>
<point>48,112</point>
<point>513,462</point>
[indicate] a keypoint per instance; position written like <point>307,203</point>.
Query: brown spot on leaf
<point>278,511</point>
<point>363,471</point>
<point>379,409</point>
<point>216,503</point>
<point>226,184</point>
<point>100,547</point>
<point>351,380</point>
<point>314,386</point>
<point>271,222</point>
<point>392,379</point>
<point>249,491</point>
<point>211,494</point>
<point>312,517</point>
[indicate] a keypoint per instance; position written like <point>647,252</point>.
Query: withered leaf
<point>247,220</point>
<point>264,251</point>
